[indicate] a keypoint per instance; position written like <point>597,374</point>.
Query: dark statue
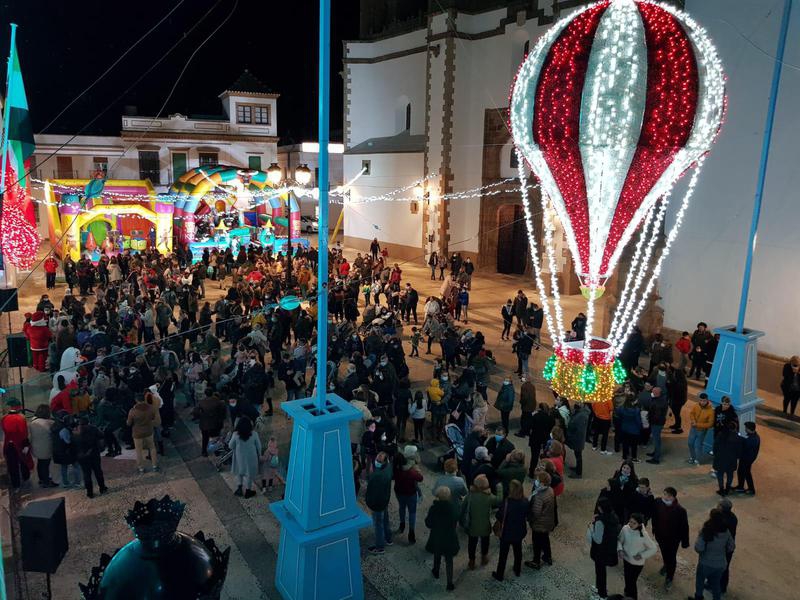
<point>161,563</point>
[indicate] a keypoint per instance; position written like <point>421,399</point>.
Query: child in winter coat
<point>270,466</point>
<point>416,410</point>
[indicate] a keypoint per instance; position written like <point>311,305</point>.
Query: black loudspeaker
<point>8,300</point>
<point>17,350</point>
<point>43,529</point>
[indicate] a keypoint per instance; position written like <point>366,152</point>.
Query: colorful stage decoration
<point>610,108</point>
<point>94,223</point>
<point>209,207</point>
<point>249,193</point>
<point>161,562</point>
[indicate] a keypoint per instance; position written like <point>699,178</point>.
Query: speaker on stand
<point>43,533</point>
<point>9,302</point>
<point>18,357</point>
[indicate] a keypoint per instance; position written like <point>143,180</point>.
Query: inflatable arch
<point>189,189</point>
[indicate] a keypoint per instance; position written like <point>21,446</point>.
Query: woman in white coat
<point>246,449</point>
<point>635,546</point>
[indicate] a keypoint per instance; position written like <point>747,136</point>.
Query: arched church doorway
<point>512,239</point>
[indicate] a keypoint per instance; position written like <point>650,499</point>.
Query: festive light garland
<point>549,370</point>
<point>534,250</point>
<point>18,237</point>
<point>619,372</point>
<point>673,234</point>
<point>633,271</point>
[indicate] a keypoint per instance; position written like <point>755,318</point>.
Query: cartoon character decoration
<point>70,359</point>
<point>39,335</point>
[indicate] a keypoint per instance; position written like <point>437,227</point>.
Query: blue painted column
<point>735,369</point>
<point>735,372</point>
<point>318,554</point>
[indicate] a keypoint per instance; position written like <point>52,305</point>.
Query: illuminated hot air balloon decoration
<point>613,104</point>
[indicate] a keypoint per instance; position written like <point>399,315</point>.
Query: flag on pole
<point>19,238</point>
<point>20,137</point>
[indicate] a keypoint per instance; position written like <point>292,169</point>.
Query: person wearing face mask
<point>657,416</point>
<point>622,488</point>
<point>377,498</point>
<point>671,530</point>
<point>634,546</point>
<point>702,419</point>
<point>643,502</point>
<point>602,535</point>
<point>505,402</point>
<point>499,447</point>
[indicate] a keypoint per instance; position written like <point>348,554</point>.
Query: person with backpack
<point>65,453</point>
<point>602,535</point>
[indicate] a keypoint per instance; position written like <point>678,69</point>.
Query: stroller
<point>222,452</point>
<point>455,441</point>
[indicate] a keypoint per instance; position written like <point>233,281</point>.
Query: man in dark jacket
<point>88,441</point>
<point>499,447</point>
<point>527,404</point>
<point>378,494</point>
<point>542,423</point>
<point>750,448</point>
<point>475,439</point>
<point>576,436</point>
<point>520,307</point>
<point>677,390</point>
<point>657,416</point>
<point>671,529</point>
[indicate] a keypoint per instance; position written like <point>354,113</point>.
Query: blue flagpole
<point>322,183</point>
<point>6,116</point>
<point>762,170</point>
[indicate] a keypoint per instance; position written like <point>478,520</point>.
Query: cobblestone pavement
<point>762,566</point>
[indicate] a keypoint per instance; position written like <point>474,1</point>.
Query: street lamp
<point>302,174</point>
<point>275,176</point>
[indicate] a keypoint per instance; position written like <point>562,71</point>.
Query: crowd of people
<point>134,333</point>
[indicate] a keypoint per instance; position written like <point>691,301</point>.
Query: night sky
<point>64,46</point>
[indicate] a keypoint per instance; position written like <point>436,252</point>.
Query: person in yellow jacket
<point>437,407</point>
<point>702,419</point>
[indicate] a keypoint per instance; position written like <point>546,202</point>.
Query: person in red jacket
<point>406,480</point>
<point>684,347</point>
<point>50,268</point>
<point>39,335</point>
<point>62,400</point>
<point>16,445</point>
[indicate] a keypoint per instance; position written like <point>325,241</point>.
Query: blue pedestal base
<point>322,565</point>
<point>735,372</point>
<point>319,556</point>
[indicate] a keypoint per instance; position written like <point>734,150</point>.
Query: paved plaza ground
<point>769,524</point>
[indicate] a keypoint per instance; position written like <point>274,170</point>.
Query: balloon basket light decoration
<point>611,107</point>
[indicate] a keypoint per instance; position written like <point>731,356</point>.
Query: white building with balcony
<point>161,149</point>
